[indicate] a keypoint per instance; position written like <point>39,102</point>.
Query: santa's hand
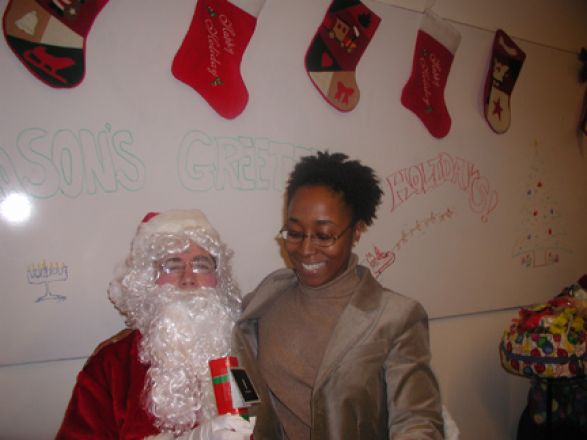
<point>225,427</point>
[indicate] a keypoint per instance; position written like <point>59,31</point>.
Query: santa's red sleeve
<point>106,402</point>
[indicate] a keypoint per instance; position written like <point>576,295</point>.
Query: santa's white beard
<point>181,330</point>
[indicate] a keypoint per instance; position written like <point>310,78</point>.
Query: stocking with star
<point>505,66</point>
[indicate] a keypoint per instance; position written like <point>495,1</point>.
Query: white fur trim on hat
<point>174,222</point>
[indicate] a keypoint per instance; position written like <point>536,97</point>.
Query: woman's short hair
<point>357,183</point>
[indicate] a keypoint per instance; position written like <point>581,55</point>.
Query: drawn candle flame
<point>43,272</point>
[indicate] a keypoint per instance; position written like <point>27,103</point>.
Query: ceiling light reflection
<point>16,208</point>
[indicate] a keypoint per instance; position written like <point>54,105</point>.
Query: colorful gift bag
<point>547,341</point>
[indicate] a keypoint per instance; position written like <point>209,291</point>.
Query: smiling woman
<point>320,214</point>
<point>333,353</point>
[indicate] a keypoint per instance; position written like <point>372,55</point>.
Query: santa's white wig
<point>181,330</point>
<point>162,234</point>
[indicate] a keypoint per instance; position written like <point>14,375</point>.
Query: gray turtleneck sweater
<point>294,335</point>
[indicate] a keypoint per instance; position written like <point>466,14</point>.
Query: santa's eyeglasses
<point>201,264</point>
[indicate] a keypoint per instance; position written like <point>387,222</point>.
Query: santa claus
<point>180,302</point>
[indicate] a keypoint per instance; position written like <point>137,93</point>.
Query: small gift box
<point>233,390</point>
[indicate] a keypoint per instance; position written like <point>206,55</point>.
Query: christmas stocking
<point>336,50</point>
<point>436,44</point>
<point>49,37</point>
<point>506,62</point>
<point>210,56</point>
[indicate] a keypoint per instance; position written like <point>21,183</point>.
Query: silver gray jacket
<point>375,380</point>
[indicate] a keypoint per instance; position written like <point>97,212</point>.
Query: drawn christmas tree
<point>540,243</point>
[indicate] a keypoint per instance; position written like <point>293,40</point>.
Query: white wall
<point>484,400</point>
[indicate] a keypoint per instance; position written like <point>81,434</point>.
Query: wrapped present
<point>547,340</point>
<point>233,390</point>
<point>567,399</point>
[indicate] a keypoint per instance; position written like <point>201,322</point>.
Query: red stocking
<point>49,37</point>
<point>436,44</point>
<point>210,56</point>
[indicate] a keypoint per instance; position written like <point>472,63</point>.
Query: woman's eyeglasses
<point>318,239</point>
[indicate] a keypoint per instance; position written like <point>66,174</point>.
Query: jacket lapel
<point>354,323</point>
<point>255,303</point>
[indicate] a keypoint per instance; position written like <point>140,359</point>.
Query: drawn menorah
<point>44,273</point>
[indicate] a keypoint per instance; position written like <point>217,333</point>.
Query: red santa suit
<point>107,399</point>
